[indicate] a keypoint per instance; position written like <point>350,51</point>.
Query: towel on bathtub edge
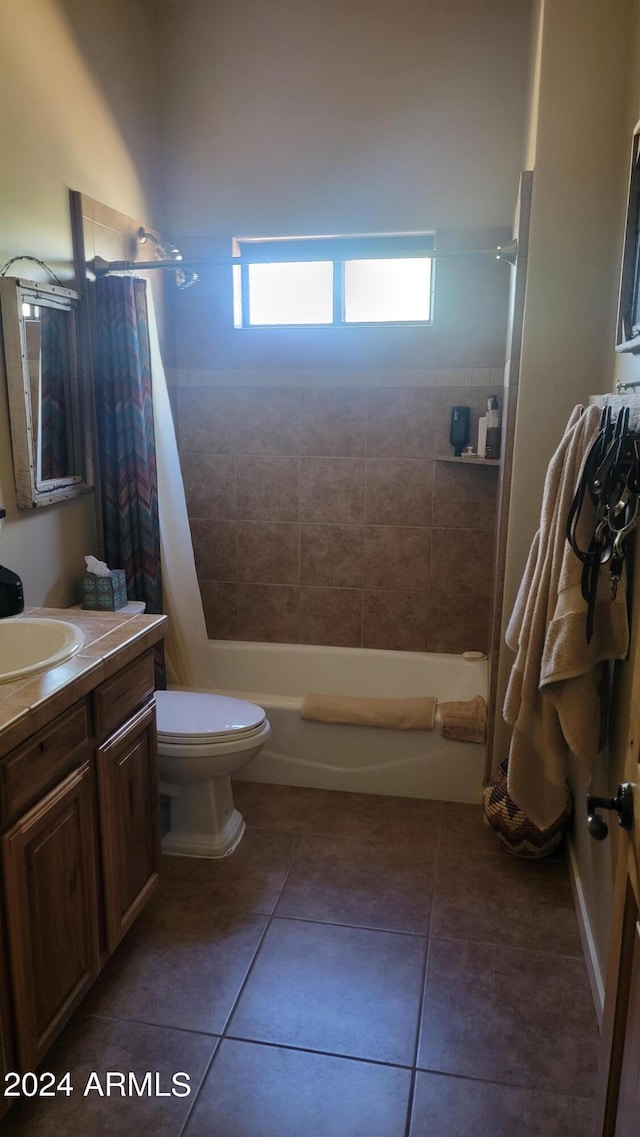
<point>464,721</point>
<point>393,714</point>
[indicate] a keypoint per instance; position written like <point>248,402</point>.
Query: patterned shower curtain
<point>126,441</point>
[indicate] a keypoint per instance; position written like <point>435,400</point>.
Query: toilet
<point>202,740</point>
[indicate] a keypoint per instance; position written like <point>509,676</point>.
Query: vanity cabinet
<point>128,797</point>
<point>80,851</point>
<point>6,1028</point>
<point>51,901</point>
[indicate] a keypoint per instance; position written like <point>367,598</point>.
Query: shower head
<point>169,252</point>
<point>166,252</point>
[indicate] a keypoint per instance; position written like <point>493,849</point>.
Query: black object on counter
<point>11,594</point>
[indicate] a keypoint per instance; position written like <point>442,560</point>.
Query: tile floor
<point>361,967</point>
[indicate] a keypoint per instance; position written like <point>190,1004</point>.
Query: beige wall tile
<point>331,555</point>
<point>395,620</point>
<point>268,552</point>
<point>331,616</point>
<point>268,613</point>
<point>332,490</point>
<point>215,548</point>
<point>462,561</point>
<point>207,420</point>
<point>209,485</point>
<point>458,623</point>
<point>332,422</point>
<point>400,423</point>
<point>220,603</point>
<point>399,492</point>
<point>267,488</point>
<point>396,558</point>
<point>267,421</point>
<point>464,497</point>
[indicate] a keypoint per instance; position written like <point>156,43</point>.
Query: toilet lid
<point>194,716</point>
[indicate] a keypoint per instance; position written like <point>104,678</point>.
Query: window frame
<point>337,250</point>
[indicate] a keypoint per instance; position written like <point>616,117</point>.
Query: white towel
<point>554,699</point>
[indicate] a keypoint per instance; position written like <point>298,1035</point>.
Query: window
<point>333,281</point>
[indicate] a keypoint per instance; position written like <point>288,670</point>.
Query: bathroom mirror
<point>47,409</point>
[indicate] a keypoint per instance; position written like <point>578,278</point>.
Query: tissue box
<point>104,593</point>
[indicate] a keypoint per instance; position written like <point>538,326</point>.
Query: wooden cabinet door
<point>129,834</point>
<point>52,912</point>
<point>6,1037</point>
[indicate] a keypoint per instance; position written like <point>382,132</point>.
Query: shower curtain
<point>126,441</point>
<point>186,642</point>
<point>145,513</point>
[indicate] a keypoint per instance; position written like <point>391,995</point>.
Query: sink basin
<point>29,644</point>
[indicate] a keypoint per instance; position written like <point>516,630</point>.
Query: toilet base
<point>205,845</point>
<point>204,821</point>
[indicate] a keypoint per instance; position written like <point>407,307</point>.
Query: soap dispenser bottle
<point>492,449</point>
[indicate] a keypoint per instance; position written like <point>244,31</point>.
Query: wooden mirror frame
<point>31,492</point>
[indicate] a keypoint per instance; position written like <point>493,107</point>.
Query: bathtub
<point>410,763</point>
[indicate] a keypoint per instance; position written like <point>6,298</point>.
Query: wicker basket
<point>515,831</point>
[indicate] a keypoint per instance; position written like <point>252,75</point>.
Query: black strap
<point>611,477</point>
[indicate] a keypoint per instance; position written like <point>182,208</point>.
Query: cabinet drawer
<point>42,761</point>
<point>117,698</point>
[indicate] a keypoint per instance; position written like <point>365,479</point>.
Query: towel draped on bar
<point>557,691</point>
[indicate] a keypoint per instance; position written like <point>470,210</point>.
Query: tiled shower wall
<point>322,514</point>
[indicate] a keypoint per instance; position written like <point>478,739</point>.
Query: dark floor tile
<point>507,1015</point>
<point>364,883</point>
<point>347,991</point>
<point>181,965</point>
<point>457,1107</point>
<point>497,899</point>
<point>95,1046</point>
<point>251,879</point>
<point>337,814</point>
<point>464,828</point>
<point>267,1091</point>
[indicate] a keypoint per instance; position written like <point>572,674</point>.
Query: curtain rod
<point>100,267</point>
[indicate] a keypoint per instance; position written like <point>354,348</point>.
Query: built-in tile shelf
<point>470,461</point>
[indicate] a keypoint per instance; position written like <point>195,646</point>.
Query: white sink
<point>29,644</point>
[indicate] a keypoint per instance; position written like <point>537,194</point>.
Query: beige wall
<point>293,117</point>
<point>78,109</point>
<point>579,133</point>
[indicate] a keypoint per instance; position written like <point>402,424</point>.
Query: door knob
<point>622,803</point>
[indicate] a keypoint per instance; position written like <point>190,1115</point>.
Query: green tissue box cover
<point>105,593</point>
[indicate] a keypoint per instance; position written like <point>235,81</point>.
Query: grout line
<point>256,954</point>
<point>105,1017</point>
<point>324,1053</point>
<point>418,1030</point>
<point>196,1095</point>
<point>424,975</point>
<point>498,943</point>
<point>502,1085</point>
<point>340,924</point>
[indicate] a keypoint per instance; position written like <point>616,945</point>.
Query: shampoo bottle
<point>492,449</point>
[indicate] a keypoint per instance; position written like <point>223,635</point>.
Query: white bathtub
<point>410,763</point>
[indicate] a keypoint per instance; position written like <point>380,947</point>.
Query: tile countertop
<point>111,640</point>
